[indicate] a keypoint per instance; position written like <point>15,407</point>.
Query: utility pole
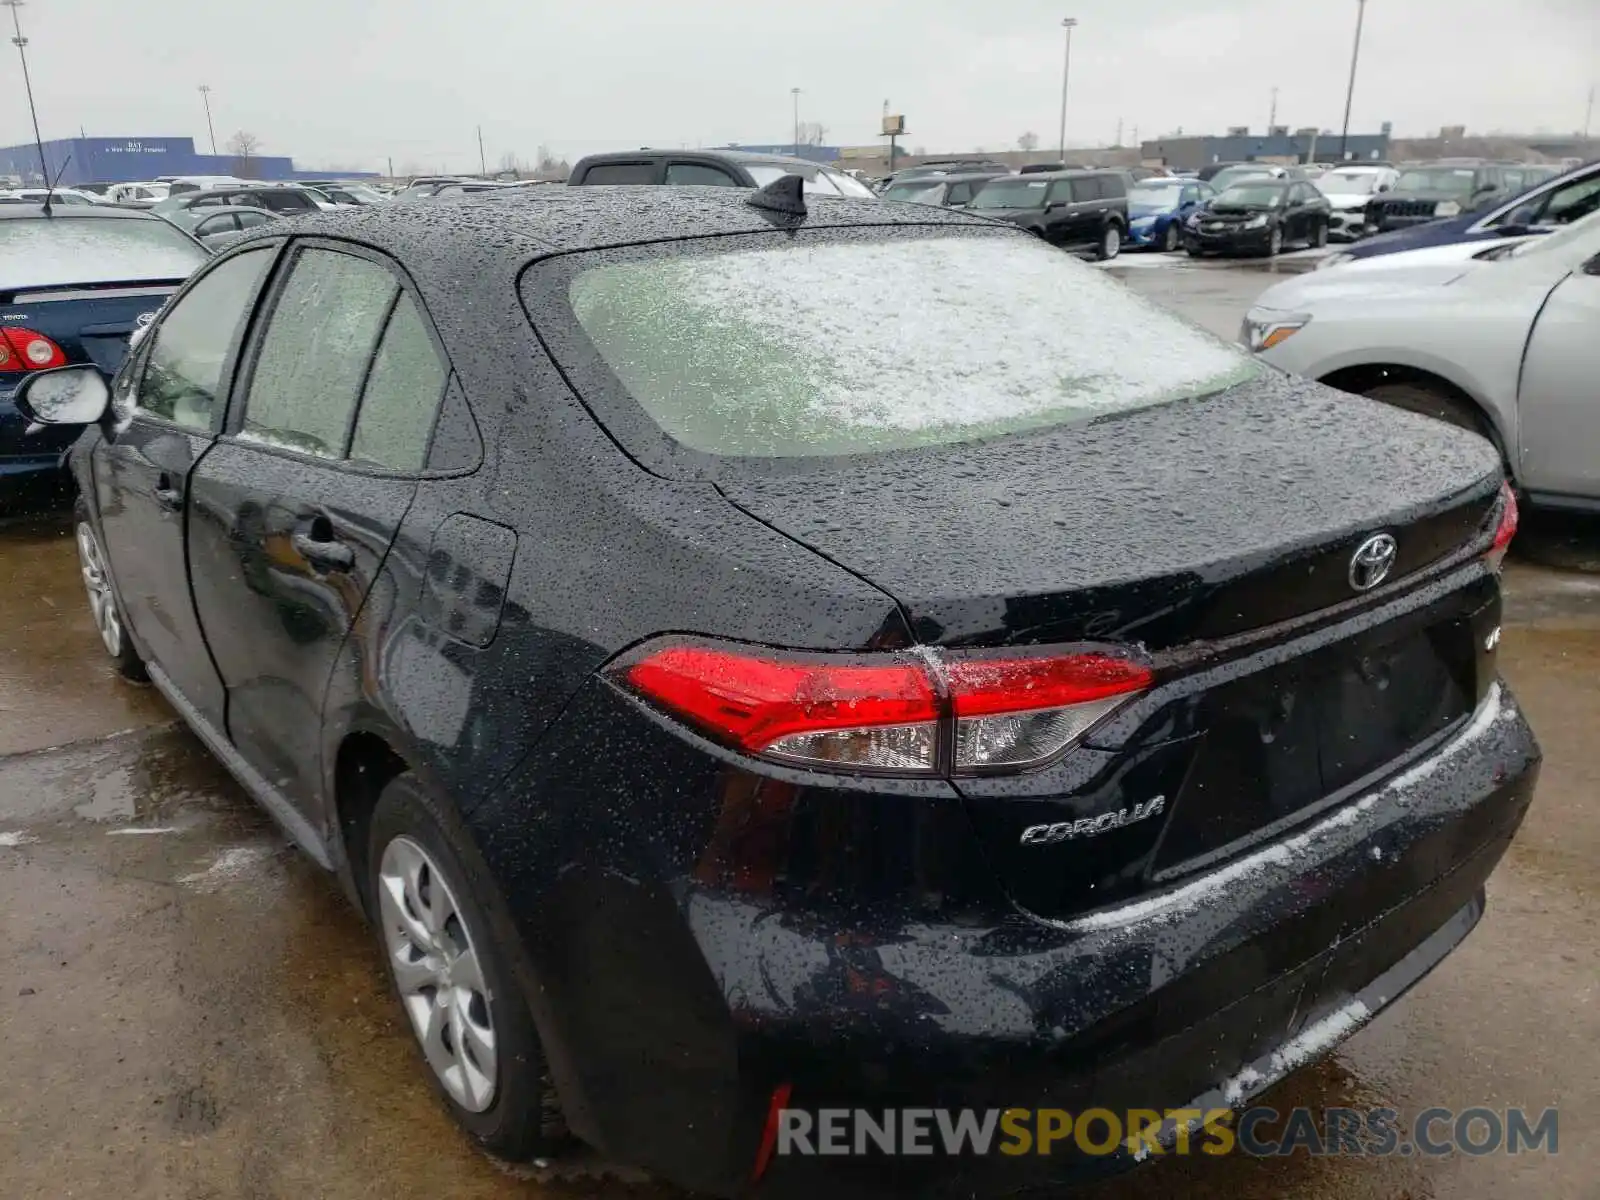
<point>205,97</point>
<point>1069,24</point>
<point>1588,115</point>
<point>1272,117</point>
<point>1119,133</point>
<point>795,92</point>
<point>391,167</point>
<point>21,43</point>
<point>1350,95</point>
<point>483,164</point>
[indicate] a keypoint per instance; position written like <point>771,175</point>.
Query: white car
<point>141,195</point>
<point>1505,342</point>
<point>1348,189</point>
<point>59,196</point>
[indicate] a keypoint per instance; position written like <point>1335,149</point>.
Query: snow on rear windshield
<point>845,348</point>
<point>50,252</point>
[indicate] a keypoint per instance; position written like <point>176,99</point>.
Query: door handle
<point>168,494</point>
<point>330,554</point>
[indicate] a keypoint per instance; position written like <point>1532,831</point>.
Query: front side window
<point>183,371</point>
<point>1564,205</point>
<point>401,395</point>
<point>314,356</point>
<point>783,351</point>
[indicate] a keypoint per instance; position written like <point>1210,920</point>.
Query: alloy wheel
<point>1111,242</point>
<point>438,974</point>
<point>102,601</point>
<point>1170,242</point>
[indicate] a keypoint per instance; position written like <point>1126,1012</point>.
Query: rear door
<point>168,406</point>
<point>1559,403</point>
<point>295,509</point>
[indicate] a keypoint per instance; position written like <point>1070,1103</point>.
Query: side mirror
<point>1384,187</point>
<point>75,395</point>
<point>1520,218</point>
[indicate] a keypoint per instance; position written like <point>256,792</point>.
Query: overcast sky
<point>353,82</point>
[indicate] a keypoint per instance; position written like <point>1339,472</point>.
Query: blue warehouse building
<point>123,160</point>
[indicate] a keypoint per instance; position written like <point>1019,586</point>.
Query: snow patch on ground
<point>232,866</point>
<point>16,838</point>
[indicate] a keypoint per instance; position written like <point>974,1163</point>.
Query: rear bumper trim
<point>1277,863</point>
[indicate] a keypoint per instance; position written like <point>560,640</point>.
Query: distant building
<point>1192,153</point>
<point>122,160</point>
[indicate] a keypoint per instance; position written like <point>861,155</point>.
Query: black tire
<point>124,658</point>
<point>1319,240</point>
<point>1275,242</point>
<point>1110,243</point>
<point>1195,251</point>
<point>522,1120</point>
<point>1171,241</point>
<point>1431,401</point>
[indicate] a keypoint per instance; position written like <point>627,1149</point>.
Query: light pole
<point>205,98</point>
<point>795,92</point>
<point>1350,95</point>
<point>1069,24</point>
<point>21,43</point>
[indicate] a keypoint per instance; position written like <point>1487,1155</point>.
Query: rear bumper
<point>673,1004</point>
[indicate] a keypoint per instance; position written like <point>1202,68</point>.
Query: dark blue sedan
<point>1540,209</point>
<point>1158,207</point>
<point>74,284</point>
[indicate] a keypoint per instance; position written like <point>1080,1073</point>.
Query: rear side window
<point>402,394</point>
<point>288,202</point>
<point>635,172</point>
<point>1085,189</point>
<point>699,173</point>
<point>960,193</point>
<point>1111,187</point>
<point>314,356</point>
<point>183,371</point>
<point>55,252</point>
<point>779,351</point>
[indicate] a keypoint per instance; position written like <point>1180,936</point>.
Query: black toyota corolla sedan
<point>751,653</point>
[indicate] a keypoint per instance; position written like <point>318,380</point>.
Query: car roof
<point>953,177</point>
<point>76,212</point>
<point>1073,172</point>
<point>463,239</point>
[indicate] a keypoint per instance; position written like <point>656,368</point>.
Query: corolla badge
<point>1087,827</point>
<point>145,318</point>
<point>1371,563</point>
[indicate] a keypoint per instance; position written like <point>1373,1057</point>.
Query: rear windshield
<point>837,347</point>
<point>55,251</point>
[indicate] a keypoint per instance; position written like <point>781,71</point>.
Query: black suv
<point>714,168</point>
<point>1077,210</point>
<point>1424,194</point>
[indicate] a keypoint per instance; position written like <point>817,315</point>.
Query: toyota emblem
<point>145,318</point>
<point>1371,563</point>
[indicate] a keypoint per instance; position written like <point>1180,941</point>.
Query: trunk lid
<point>90,323</point>
<point>1188,521</point>
<point>1172,528</point>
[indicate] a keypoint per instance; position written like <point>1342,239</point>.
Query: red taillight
<point>25,350</point>
<point>848,712</point>
<point>1505,530</point>
<point>769,1131</point>
<point>887,712</point>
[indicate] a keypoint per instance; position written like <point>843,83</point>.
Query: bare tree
<point>243,147</point>
<point>813,133</point>
<point>1028,142</point>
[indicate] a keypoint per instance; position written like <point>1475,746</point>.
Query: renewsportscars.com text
<point>1260,1131</point>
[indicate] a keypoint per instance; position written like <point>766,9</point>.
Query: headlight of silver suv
<point>1265,328</point>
